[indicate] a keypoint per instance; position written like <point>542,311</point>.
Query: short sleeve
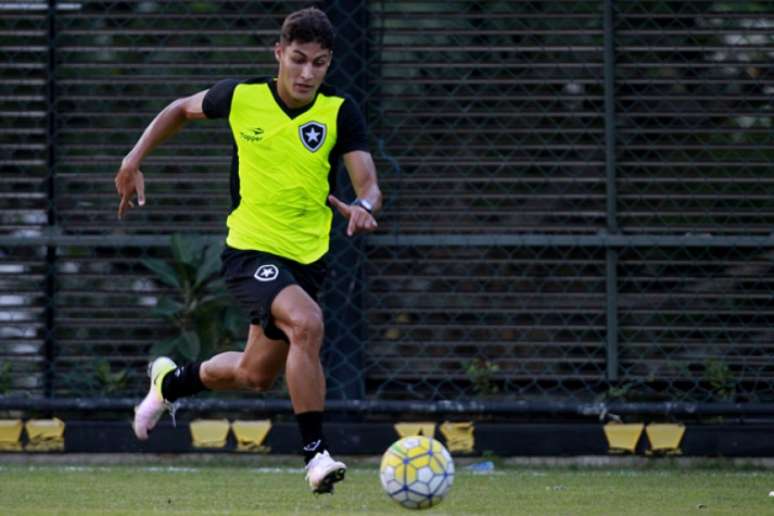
<point>352,134</point>
<point>217,100</point>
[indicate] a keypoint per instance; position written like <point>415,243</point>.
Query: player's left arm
<point>362,174</point>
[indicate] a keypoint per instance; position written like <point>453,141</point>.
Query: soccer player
<point>289,134</point>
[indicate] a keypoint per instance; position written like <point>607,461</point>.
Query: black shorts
<point>255,278</point>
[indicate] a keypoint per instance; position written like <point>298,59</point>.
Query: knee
<point>256,380</point>
<point>307,328</point>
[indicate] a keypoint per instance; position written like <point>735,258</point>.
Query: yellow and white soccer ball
<point>417,472</point>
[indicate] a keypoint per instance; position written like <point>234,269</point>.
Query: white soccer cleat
<point>152,407</point>
<point>322,472</point>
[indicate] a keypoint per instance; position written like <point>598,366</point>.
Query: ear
<point>278,51</point>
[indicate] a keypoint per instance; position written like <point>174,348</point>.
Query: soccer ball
<point>417,472</point>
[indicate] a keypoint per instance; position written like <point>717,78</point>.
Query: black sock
<point>310,424</point>
<point>183,381</point>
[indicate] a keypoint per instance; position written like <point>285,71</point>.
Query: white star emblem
<point>312,135</point>
<point>266,272</point>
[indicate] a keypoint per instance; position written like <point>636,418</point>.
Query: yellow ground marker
<point>250,435</point>
<point>409,429</point>
<point>622,438</point>
<point>10,434</point>
<point>45,435</point>
<point>664,438</point>
<point>209,433</point>
<point>459,436</point>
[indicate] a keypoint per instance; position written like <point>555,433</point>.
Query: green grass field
<point>191,488</point>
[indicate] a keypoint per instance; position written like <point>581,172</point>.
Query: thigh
<point>294,304</point>
<point>254,279</point>
<point>298,302</point>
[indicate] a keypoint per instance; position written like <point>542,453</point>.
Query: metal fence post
<point>612,216</point>
<point>50,281</point>
<point>345,321</point>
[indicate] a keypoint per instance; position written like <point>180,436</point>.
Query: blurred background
<point>578,198</point>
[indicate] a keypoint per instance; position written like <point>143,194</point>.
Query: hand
<point>129,181</point>
<point>360,221</point>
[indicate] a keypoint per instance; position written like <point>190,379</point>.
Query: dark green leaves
<point>197,306</point>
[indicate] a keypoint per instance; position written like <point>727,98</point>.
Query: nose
<point>307,71</point>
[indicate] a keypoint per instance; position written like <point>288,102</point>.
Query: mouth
<point>303,88</point>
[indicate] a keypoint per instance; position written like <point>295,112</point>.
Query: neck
<point>288,100</point>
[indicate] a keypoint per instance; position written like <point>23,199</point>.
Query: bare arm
<point>362,173</point>
<point>129,179</point>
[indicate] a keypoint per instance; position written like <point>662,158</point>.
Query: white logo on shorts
<point>266,272</point>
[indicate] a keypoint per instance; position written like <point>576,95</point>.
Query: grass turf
<point>216,489</point>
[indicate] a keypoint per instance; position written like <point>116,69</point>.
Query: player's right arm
<point>129,179</point>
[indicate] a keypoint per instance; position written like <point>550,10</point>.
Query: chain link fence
<point>578,196</point>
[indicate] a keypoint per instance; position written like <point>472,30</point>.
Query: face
<point>302,68</point>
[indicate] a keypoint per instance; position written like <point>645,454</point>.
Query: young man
<point>289,132</point>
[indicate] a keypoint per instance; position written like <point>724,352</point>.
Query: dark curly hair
<point>309,25</point>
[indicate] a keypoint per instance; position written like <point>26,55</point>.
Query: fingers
<point>341,207</point>
<point>360,222</point>
<point>139,185</point>
<point>129,182</point>
<point>123,206</point>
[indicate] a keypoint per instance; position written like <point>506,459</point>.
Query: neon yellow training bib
<point>284,170</point>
